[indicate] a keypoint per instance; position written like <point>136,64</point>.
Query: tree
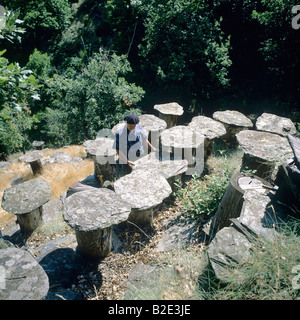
<point>183,43</point>
<point>18,90</point>
<point>93,99</point>
<point>280,44</point>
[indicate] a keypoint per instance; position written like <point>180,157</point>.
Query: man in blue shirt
<point>130,141</point>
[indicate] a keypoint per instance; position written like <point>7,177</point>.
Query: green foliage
<point>96,98</point>
<point>201,197</point>
<point>183,41</point>
<point>280,42</point>
<point>18,90</point>
<point>40,64</point>
<point>52,15</point>
<point>9,28</point>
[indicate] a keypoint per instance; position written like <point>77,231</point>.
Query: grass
<point>268,274</point>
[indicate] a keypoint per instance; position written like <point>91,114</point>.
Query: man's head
<point>132,120</point>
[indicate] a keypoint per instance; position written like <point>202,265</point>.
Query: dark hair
<point>132,118</point>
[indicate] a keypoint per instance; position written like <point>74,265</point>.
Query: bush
<point>94,99</point>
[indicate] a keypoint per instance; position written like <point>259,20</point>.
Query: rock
<point>153,126</point>
<point>24,279</point>
<point>60,156</point>
<point>275,124</point>
<point>26,200</point>
<point>144,191</point>
<point>182,142</point>
<point>178,233</point>
<point>4,244</point>
<point>263,151</point>
<point>91,214</point>
<point>141,278</point>
<point>234,122</point>
<point>62,266</point>
<point>52,210</point>
<point>210,129</point>
<point>117,127</point>
<point>4,165</point>
<point>169,112</point>
<point>170,169</point>
<point>295,145</point>
<point>227,250</point>
<point>232,201</point>
<point>38,145</point>
<point>34,159</point>
<point>260,214</point>
<point>78,187</point>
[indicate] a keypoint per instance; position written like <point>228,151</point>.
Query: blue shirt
<point>130,142</point>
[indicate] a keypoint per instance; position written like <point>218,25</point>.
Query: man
<point>130,141</point>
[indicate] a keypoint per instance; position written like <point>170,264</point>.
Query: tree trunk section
<point>94,244</point>
<point>30,221</point>
<point>232,201</point>
<point>36,167</point>
<point>264,169</point>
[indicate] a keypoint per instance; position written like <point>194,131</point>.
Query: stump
<point>103,154</point>
<point>154,126</point>
<point>169,112</point>
<point>275,124</point>
<point>288,178</point>
<point>91,214</point>
<point>210,129</point>
<point>234,122</point>
<point>26,200</point>
<point>263,151</point>
<point>144,191</point>
<point>24,278</point>
<point>38,145</point>
<point>170,169</point>
<point>182,142</point>
<point>34,159</point>
<point>232,201</point>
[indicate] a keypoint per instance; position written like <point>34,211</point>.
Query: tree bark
<point>264,169</point>
<point>94,244</point>
<point>30,221</point>
<point>232,201</point>
<point>36,167</point>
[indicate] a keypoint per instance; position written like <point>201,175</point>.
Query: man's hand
<point>130,164</point>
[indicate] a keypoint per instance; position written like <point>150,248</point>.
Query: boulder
<point>234,122</point>
<point>170,169</point>
<point>210,129</point>
<point>183,142</point>
<point>143,190</point>
<point>91,214</point>
<point>232,201</point>
<point>275,124</point>
<point>229,248</point>
<point>169,112</point>
<point>34,159</point>
<point>26,201</point>
<point>4,165</point>
<point>263,151</point>
<point>24,278</point>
